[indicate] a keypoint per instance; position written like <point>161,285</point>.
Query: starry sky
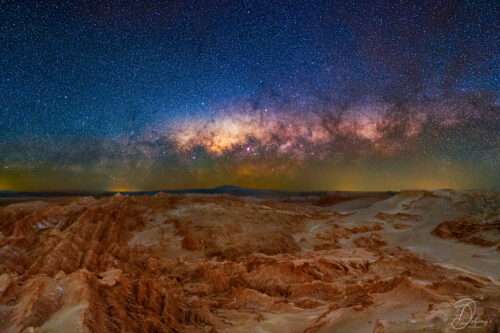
<point>303,95</point>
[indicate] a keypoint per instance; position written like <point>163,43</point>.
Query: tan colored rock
<point>202,263</point>
<point>5,281</point>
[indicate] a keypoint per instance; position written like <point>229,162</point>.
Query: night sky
<point>312,95</point>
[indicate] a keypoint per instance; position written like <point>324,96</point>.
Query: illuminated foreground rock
<point>215,263</point>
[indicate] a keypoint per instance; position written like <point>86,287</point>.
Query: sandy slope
<point>217,263</point>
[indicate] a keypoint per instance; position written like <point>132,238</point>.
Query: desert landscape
<point>250,166</point>
<point>334,262</point>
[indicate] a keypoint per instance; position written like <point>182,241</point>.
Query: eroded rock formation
<point>217,263</point>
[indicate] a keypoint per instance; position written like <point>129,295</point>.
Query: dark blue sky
<point>88,76</point>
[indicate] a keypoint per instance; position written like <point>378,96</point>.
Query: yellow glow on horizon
<point>4,186</point>
<point>122,189</point>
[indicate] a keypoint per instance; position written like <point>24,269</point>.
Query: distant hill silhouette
<point>225,189</point>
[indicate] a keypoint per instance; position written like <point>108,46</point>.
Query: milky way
<point>319,95</point>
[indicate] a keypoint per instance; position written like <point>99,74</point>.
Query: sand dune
<point>219,263</point>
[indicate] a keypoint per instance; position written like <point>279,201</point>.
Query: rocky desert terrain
<point>415,261</point>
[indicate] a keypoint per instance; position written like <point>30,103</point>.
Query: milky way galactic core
<point>312,95</point>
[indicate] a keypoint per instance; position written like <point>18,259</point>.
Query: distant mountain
<point>245,192</point>
<point>47,194</point>
<point>225,189</point>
